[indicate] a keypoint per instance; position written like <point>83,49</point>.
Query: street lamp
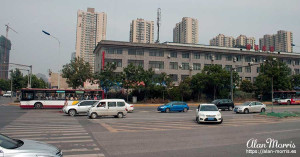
<point>58,83</point>
<point>29,74</point>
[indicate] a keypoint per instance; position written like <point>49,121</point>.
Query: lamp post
<point>29,74</point>
<point>58,77</point>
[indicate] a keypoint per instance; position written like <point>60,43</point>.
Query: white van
<point>108,107</point>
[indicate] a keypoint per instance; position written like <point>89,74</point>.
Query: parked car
<point>250,106</point>
<point>130,107</point>
<point>108,107</point>
<point>7,94</point>
<point>81,107</point>
<point>174,106</point>
<point>224,104</point>
<point>208,113</point>
<point>16,147</point>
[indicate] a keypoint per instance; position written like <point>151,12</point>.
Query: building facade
<point>222,41</point>
<point>91,29</point>
<point>243,41</point>
<point>186,31</point>
<point>184,60</point>
<point>141,31</point>
<point>5,47</point>
<point>280,42</point>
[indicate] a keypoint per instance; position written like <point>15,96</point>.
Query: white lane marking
<point>52,135</point>
<point>85,155</point>
<point>80,150</point>
<point>279,131</point>
<point>69,141</point>
<point>58,138</point>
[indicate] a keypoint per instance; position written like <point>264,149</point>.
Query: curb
<point>14,104</point>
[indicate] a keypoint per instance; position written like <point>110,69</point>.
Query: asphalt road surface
<point>149,133</point>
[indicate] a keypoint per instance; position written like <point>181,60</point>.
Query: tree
<point>247,86</point>
<point>145,77</point>
<point>198,84</point>
<point>185,88</point>
<point>295,81</point>
<point>36,82</point>
<point>77,72</point>
<point>274,70</point>
<point>106,78</point>
<point>18,81</point>
<point>164,81</point>
<point>4,85</point>
<point>130,77</point>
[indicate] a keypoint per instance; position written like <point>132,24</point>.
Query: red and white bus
<point>55,98</point>
<point>287,97</point>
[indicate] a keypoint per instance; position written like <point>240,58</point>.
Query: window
<point>238,58</point>
<point>296,62</point>
<point>247,59</point>
<point>135,52</point>
<point>229,58</point>
<point>207,56</point>
<point>112,104</point>
<point>87,103</point>
<point>207,65</point>
<point>173,54</point>
<point>174,77</point>
<point>156,53</point>
<point>196,66</point>
<point>183,77</point>
<point>258,69</point>
<point>114,51</point>
<point>248,69</point>
<point>156,64</point>
<point>239,69</point>
<point>248,78</point>
<point>117,62</point>
<point>185,55</point>
<point>218,57</point>
<point>136,62</point>
<point>196,55</point>
<point>289,61</point>
<point>185,66</point>
<point>228,67</point>
<point>173,65</point>
<point>120,104</point>
<point>296,71</point>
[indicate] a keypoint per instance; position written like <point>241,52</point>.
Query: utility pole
<point>158,22</point>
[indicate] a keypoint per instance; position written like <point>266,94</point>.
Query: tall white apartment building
<point>186,31</point>
<point>91,29</point>
<point>141,31</point>
<point>222,41</point>
<point>243,41</point>
<point>281,42</point>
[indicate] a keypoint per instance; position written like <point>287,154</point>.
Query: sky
<point>253,18</point>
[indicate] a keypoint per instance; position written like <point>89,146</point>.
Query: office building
<point>243,41</point>
<point>5,47</point>
<point>184,60</point>
<point>73,56</point>
<point>280,42</point>
<point>141,31</point>
<point>222,41</point>
<point>91,28</point>
<point>186,31</point>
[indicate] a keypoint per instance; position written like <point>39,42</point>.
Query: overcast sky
<point>229,17</point>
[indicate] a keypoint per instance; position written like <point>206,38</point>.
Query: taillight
<point>131,106</point>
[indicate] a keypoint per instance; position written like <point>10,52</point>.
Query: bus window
<point>27,95</point>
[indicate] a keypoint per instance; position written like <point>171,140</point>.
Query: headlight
<point>219,114</point>
<point>201,115</point>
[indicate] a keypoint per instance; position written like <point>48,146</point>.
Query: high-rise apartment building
<point>186,31</point>
<point>5,46</point>
<point>141,31</point>
<point>281,42</point>
<point>243,41</point>
<point>91,29</point>
<point>222,41</point>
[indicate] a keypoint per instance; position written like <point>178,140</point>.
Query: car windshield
<point>246,103</point>
<point>215,101</point>
<point>208,108</point>
<point>8,143</point>
<point>170,103</point>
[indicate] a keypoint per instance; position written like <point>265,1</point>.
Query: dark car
<point>224,104</point>
<point>174,106</point>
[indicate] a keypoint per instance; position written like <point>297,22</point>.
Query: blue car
<point>174,106</point>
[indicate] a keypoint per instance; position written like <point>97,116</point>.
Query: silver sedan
<point>250,106</point>
<point>26,148</point>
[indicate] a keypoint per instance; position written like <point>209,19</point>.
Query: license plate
<point>210,118</point>
<point>235,110</point>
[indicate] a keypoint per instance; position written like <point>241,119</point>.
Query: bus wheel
<point>288,102</point>
<point>38,105</point>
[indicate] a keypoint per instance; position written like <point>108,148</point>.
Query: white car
<point>81,107</point>
<point>208,113</point>
<point>108,107</point>
<point>130,107</point>
<point>7,94</point>
<point>250,106</point>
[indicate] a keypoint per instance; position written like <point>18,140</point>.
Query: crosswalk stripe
<point>85,155</point>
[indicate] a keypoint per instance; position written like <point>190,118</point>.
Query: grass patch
<point>284,114</point>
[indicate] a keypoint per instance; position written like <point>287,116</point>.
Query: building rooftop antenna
<point>158,23</point>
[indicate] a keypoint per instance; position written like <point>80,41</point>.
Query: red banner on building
<point>271,48</point>
<point>264,48</point>
<point>256,47</point>
<point>103,60</point>
<point>248,46</point>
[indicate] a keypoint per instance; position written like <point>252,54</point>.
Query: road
<point>148,133</point>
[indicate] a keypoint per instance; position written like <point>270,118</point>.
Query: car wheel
<point>230,108</point>
<point>72,112</point>
<point>38,105</point>
<point>120,115</point>
<point>197,120</point>
<point>263,110</point>
<point>185,110</point>
<point>288,102</point>
<point>167,110</point>
<point>221,121</point>
<point>246,111</point>
<point>94,115</point>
